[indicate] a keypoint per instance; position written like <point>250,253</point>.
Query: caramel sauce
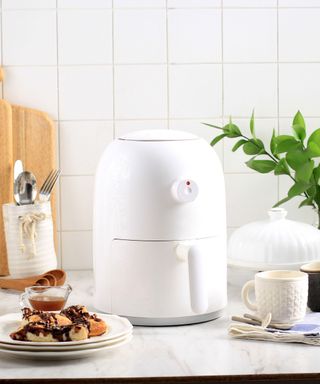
<point>47,303</point>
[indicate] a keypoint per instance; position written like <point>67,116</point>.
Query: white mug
<point>284,294</point>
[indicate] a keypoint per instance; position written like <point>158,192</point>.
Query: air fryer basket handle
<point>197,280</point>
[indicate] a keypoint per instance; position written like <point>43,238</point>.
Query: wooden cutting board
<point>6,174</point>
<point>29,135</point>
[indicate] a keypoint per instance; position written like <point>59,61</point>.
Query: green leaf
<point>253,147</point>
<point>316,173</point>
<point>315,137</point>
<point>299,126</point>
<point>217,139</point>
<point>298,188</point>
<point>232,130</point>
<point>307,201</point>
<point>282,201</point>
<point>313,149</point>
<point>213,126</point>
<point>296,158</point>
<point>282,168</point>
<point>317,196</point>
<point>286,143</point>
<point>311,191</point>
<point>299,120</point>
<point>273,142</point>
<point>262,166</point>
<point>238,144</point>
<point>304,172</point>
<point>252,126</point>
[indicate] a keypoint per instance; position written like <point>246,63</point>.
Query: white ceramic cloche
<point>275,243</point>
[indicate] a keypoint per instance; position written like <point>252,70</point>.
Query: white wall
<point>101,68</point>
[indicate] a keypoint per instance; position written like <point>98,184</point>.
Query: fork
<point>49,183</point>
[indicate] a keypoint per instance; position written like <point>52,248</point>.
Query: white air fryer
<point>159,231</point>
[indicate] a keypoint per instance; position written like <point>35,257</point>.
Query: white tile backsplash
<point>299,88</point>
<point>248,87</point>
<point>193,3</point>
<point>87,4</point>
<point>250,3</point>
<point>30,4</point>
<point>187,39</point>
<point>89,41</point>
<point>195,90</point>
<point>104,68</point>
<point>140,91</point>
<point>302,43</point>
<point>145,47</point>
<point>123,127</point>
<point>77,250</point>
<point>255,39</point>
<point>76,205</point>
<point>82,144</point>
<point>85,93</point>
<point>249,197</point>
<point>29,37</point>
<point>33,87</point>
<point>139,3</point>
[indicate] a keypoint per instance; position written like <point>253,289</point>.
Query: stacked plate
<point>120,333</point>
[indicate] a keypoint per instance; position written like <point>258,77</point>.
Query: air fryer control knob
<point>184,191</point>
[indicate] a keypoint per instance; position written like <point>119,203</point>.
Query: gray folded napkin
<point>306,331</point>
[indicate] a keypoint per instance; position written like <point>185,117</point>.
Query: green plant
<point>291,155</point>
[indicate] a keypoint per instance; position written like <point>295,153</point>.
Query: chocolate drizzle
<point>48,323</point>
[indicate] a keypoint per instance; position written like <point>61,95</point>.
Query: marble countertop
<point>192,350</point>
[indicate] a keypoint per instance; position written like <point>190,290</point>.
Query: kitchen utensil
<point>159,219</point>
<point>313,271</point>
<point>275,243</point>
<point>48,185</point>
<point>54,277</point>
<point>44,298</point>
<point>17,169</point>
<point>25,188</point>
<point>282,293</point>
<point>265,322</point>
<point>29,239</point>
<point>6,175</point>
<point>34,142</point>
<point>28,135</point>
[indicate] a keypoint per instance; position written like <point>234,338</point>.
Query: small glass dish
<point>44,298</point>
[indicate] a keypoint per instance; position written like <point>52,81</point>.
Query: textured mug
<point>282,293</point>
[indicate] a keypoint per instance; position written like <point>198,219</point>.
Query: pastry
<point>42,332</point>
<point>79,314</point>
<point>72,324</point>
<point>34,316</point>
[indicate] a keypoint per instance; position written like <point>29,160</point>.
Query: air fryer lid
<point>158,135</point>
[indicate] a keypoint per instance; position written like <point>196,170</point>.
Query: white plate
<point>118,326</point>
<point>58,349</point>
<point>62,355</point>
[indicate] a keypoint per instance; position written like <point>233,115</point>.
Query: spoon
<point>25,188</point>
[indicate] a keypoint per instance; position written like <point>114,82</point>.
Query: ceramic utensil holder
<point>29,239</point>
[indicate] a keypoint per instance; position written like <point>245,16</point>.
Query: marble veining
<point>201,349</point>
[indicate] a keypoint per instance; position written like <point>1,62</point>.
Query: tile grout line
<point>167,65</point>
<point>59,133</point>
<point>113,76</point>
